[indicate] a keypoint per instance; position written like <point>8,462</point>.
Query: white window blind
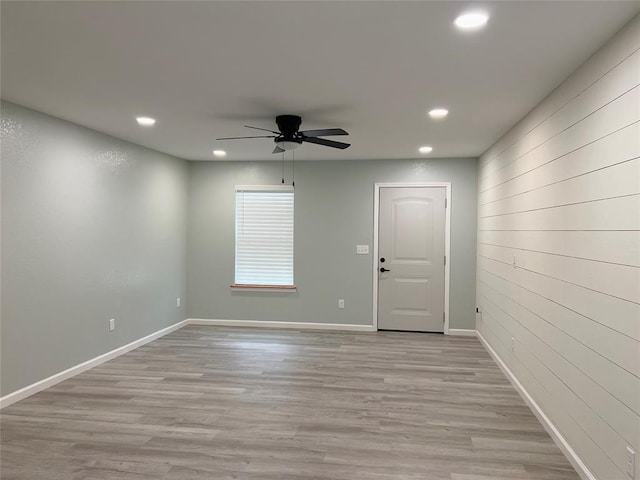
<point>264,235</point>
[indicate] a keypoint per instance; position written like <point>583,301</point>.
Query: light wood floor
<point>224,403</point>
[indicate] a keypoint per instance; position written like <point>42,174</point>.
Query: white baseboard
<point>29,390</point>
<point>294,325</point>
<point>546,422</point>
<point>461,332</point>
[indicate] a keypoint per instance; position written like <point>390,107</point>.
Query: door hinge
<point>445,203</point>
<point>445,259</point>
<point>443,317</point>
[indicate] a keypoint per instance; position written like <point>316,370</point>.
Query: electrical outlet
<point>178,302</point>
<point>112,324</point>
<point>478,317</point>
<point>341,303</point>
<point>631,463</point>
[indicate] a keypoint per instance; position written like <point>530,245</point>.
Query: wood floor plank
<point>247,404</point>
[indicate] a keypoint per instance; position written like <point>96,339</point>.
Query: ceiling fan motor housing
<point>288,125</point>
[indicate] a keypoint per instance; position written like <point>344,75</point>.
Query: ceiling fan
<point>289,136</point>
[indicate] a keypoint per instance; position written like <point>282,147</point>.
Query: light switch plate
<point>362,249</point>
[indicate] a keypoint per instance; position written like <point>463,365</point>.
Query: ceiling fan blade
<point>277,150</point>
<point>324,132</point>
<point>325,142</point>
<point>263,129</point>
<point>236,138</point>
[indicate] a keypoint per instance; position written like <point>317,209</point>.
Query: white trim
<point>447,252</point>
<point>546,422</point>
<point>29,390</point>
<point>447,243</point>
<point>376,255</point>
<point>270,324</point>
<point>462,332</point>
<point>240,288</point>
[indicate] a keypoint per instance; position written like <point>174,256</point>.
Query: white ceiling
<point>205,69</point>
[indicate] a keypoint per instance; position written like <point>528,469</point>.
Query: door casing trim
<point>447,242</point>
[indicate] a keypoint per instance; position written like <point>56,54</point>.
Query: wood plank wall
<point>560,195</point>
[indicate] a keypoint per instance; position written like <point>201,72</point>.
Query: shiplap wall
<point>560,195</point>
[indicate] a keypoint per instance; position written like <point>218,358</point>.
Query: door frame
<point>447,242</point>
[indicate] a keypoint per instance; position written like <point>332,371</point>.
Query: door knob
<point>382,269</point>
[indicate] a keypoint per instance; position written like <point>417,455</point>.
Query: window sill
<point>264,288</point>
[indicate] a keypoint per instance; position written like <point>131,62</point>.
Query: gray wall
<point>92,228</point>
<point>333,213</point>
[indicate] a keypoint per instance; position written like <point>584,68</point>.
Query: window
<point>264,237</point>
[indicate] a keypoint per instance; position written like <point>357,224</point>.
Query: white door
<point>411,258</point>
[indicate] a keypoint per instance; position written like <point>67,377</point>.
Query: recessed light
<point>438,113</point>
<point>471,20</point>
<point>220,153</point>
<point>425,149</point>
<point>146,121</point>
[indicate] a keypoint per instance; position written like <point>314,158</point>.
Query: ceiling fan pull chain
<point>293,168</point>
<point>283,167</point>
